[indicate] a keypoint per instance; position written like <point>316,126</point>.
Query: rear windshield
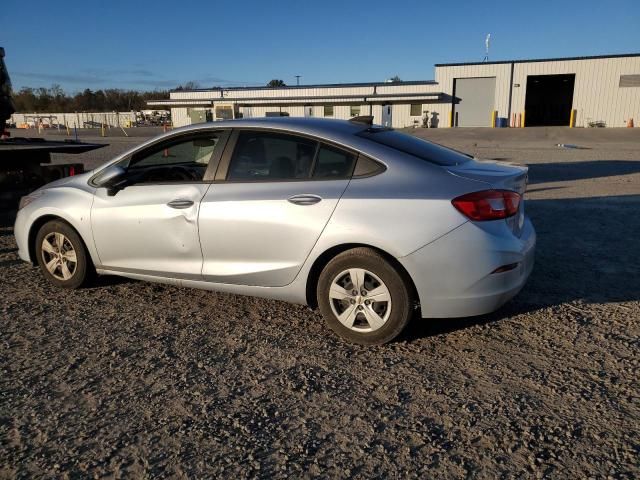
<point>431,152</point>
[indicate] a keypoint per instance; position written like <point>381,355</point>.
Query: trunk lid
<point>499,175</point>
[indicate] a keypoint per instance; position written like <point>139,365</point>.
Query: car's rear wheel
<point>62,255</point>
<point>363,298</point>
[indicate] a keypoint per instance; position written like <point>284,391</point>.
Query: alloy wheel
<point>360,300</point>
<point>59,256</point>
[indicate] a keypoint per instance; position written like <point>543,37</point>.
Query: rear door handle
<point>180,203</point>
<point>305,199</point>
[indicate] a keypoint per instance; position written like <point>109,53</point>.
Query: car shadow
<point>10,263</point>
<point>102,281</point>
<point>587,251</point>
<point>568,171</point>
<point>7,219</point>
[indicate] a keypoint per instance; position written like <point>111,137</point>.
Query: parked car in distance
<point>371,225</point>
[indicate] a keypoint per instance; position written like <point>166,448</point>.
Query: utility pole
<point>298,79</point>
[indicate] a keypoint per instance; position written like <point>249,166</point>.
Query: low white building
<point>578,91</point>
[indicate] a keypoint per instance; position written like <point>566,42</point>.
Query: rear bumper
<point>453,274</point>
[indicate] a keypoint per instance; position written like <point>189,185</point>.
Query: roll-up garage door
<point>474,101</point>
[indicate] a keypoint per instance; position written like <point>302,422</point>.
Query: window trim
<point>222,171</point>
<point>419,114</point>
<point>324,110</point>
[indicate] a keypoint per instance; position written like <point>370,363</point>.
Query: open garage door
<point>474,101</point>
<point>549,100</point>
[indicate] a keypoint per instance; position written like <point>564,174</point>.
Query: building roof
<point>301,100</point>
<point>533,60</point>
<point>319,85</point>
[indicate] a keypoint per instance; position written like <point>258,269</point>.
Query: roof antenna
<point>486,48</point>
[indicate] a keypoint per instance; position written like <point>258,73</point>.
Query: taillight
<point>488,204</point>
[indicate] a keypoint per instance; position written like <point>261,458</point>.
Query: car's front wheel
<point>363,298</point>
<point>62,255</point>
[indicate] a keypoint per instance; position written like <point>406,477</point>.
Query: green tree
<point>56,100</point>
<point>26,100</point>
<point>276,83</point>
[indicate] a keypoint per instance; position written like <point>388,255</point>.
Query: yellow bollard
<point>523,124</point>
<point>102,129</point>
<point>572,120</point>
<point>68,131</point>
<point>494,114</point>
<point>451,118</point>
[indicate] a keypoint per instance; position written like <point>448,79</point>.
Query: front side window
<point>416,109</point>
<point>354,110</point>
<point>266,156</point>
<point>184,160</point>
<point>328,110</point>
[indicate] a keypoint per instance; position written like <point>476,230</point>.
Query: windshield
<point>431,152</point>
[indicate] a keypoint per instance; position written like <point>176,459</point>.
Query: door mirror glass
<point>109,176</point>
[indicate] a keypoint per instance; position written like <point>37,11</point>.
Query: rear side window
<point>333,163</point>
<point>265,156</point>
<point>431,152</point>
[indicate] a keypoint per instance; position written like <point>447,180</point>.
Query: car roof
<point>340,132</point>
<point>320,127</point>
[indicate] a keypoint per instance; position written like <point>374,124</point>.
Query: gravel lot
<point>129,379</point>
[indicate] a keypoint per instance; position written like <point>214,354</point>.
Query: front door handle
<point>180,203</point>
<point>305,199</point>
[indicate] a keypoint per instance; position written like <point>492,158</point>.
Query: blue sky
<point>160,44</point>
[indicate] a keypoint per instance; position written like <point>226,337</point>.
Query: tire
<point>389,297</point>
<point>57,264</point>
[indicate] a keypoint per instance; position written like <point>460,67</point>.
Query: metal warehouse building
<point>578,91</point>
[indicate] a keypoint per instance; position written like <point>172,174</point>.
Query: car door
<point>149,225</point>
<point>273,195</point>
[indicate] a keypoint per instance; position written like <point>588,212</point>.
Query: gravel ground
<point>130,379</point>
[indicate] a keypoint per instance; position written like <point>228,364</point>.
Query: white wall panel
<point>71,120</point>
<point>180,117</point>
<point>596,95</point>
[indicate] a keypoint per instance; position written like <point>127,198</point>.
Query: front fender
<point>69,204</point>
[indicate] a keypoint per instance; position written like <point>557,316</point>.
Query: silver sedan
<point>371,225</point>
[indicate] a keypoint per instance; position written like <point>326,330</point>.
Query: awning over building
<point>299,100</point>
<point>179,103</point>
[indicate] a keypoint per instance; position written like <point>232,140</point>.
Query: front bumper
<point>21,232</point>
<point>453,274</point>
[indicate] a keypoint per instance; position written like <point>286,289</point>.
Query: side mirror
<point>110,178</point>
